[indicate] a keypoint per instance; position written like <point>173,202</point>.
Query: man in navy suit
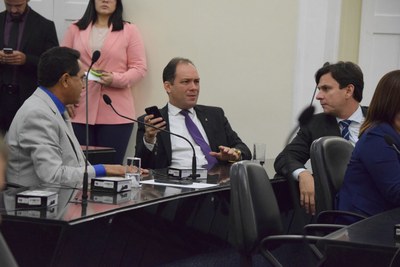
<point>340,88</point>
<point>24,36</point>
<point>160,150</point>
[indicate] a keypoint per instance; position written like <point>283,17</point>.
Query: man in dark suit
<point>340,88</point>
<point>159,149</point>
<point>24,36</point>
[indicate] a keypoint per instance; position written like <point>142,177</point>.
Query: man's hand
<point>119,170</point>
<point>226,154</point>
<point>15,58</point>
<point>151,133</point>
<point>307,192</point>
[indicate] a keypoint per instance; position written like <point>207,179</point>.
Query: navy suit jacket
<point>215,124</point>
<point>297,153</point>
<point>372,181</point>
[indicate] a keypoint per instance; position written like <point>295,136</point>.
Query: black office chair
<point>6,257</point>
<point>329,156</point>
<point>255,221</point>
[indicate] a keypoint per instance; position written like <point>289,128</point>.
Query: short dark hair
<point>170,70</point>
<point>55,62</point>
<point>385,103</point>
<point>344,73</point>
<point>90,15</point>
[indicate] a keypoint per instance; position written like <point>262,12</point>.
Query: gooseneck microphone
<point>108,101</point>
<point>85,184</point>
<point>389,140</point>
<point>304,118</point>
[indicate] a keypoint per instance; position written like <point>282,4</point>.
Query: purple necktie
<point>198,138</point>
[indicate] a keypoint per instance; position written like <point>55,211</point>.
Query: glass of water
<point>259,152</point>
<point>133,170</point>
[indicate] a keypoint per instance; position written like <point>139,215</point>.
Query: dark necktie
<point>198,138</point>
<point>14,34</point>
<point>345,128</point>
<point>10,72</point>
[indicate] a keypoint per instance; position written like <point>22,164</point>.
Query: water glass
<point>133,170</point>
<point>259,152</point>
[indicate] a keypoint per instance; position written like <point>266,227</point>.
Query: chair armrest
<point>320,229</point>
<point>271,242</point>
<point>330,216</point>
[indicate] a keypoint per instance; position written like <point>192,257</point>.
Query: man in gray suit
<point>42,145</point>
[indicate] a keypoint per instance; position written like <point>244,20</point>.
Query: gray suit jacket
<point>42,146</point>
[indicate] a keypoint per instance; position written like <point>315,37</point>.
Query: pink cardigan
<point>123,54</point>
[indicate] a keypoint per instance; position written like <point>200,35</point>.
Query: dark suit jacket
<point>39,35</point>
<point>215,124</point>
<point>297,153</point>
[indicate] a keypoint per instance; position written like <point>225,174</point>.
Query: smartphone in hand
<point>153,110</point>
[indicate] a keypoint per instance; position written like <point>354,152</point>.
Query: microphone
<point>304,118</point>
<point>95,57</point>
<point>85,184</point>
<point>108,101</point>
<point>389,140</point>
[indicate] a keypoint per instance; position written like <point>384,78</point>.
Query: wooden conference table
<point>146,226</point>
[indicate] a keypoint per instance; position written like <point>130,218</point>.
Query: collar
<point>21,18</point>
<point>60,106</point>
<point>357,116</point>
<point>173,110</point>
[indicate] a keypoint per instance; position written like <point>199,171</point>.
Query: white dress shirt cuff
<point>149,146</point>
<point>296,173</point>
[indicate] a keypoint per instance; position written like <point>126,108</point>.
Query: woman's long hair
<point>385,103</point>
<point>90,16</point>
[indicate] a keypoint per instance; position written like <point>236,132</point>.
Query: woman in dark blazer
<point>372,180</point>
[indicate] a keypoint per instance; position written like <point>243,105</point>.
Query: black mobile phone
<point>153,110</point>
<point>7,50</point>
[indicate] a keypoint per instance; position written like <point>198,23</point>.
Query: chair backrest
<point>329,156</point>
<point>254,211</point>
<point>6,257</point>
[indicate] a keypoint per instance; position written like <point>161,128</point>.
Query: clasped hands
<point>225,153</point>
<point>15,58</point>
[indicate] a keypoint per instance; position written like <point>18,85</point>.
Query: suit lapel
<point>204,120</point>
<point>66,121</point>
<point>85,39</point>
<point>109,42</point>
<point>166,138</point>
<point>64,124</point>
<point>30,23</point>
<point>2,23</point>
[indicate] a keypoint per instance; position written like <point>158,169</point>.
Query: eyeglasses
<point>82,78</point>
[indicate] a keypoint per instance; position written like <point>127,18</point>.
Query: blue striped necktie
<point>345,128</point>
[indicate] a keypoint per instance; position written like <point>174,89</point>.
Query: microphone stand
<point>85,183</point>
<point>107,100</point>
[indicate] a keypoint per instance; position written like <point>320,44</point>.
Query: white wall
<point>256,58</point>
<point>244,52</point>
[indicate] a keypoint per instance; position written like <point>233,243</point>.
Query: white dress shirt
<point>181,151</point>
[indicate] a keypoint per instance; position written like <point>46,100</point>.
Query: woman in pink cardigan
<point>122,64</point>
